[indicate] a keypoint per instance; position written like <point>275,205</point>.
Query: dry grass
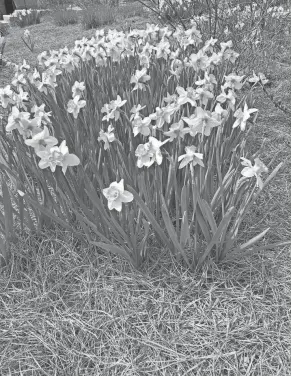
<point>65,310</point>
<point>68,309</point>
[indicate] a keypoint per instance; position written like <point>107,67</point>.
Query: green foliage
<point>96,16</point>
<point>64,17</point>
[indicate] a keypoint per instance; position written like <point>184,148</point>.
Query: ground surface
<point>67,310</point>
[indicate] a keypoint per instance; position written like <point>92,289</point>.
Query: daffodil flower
<point>163,115</point>
<point>203,95</point>
<point>139,79</point>
<point>78,88</point>
<point>176,67</point>
<point>40,114</point>
<point>177,130</point>
<point>207,82</point>
<point>198,61</point>
<point>225,45</point>
<point>209,44</point>
<point>42,57</point>
<point>15,118</point>
<point>243,116</point>
<point>256,170</point>
<point>228,97</point>
<point>112,109</point>
<point>144,60</point>
<point>41,85</point>
<point>107,137</point>
<point>171,99</point>
<point>194,35</point>
<point>141,126</point>
<point>116,195</point>
<point>233,82</point>
<point>20,98</point>
<point>70,62</point>
<point>201,122</point>
<point>147,49</point>
<point>33,77</point>
<point>143,153</point>
<point>135,111</point>
<point>221,112</point>
<point>24,67</point>
<point>191,157</point>
<point>29,128</point>
<point>163,49</point>
<point>50,76</point>
<point>258,78</point>
<point>6,96</point>
<point>186,96</point>
<point>149,153</point>
<point>19,79</point>
<point>74,105</point>
<point>57,156</point>
<point>42,140</point>
<point>215,58</point>
<point>230,55</point>
<point>26,33</point>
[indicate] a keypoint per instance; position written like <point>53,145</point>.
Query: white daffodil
<point>186,96</point>
<point>243,116</point>
<point>107,137</point>
<point>78,88</point>
<point>112,109</point>
<point>191,157</point>
<point>163,114</point>
<point>15,118</point>
<point>201,122</point>
<point>177,130</point>
<point>74,105</point>
<point>41,114</point>
<point>6,96</point>
<point>57,156</point>
<point>256,170</point>
<point>42,140</point>
<point>233,81</point>
<point>149,153</point>
<point>116,195</point>
<point>228,97</point>
<point>139,79</point>
<point>135,111</point>
<point>141,126</point>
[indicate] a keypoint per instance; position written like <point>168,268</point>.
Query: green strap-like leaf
<point>157,228</point>
<point>216,237</point>
<point>8,211</point>
<point>171,231</point>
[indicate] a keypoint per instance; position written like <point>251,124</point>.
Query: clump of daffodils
<point>185,117</point>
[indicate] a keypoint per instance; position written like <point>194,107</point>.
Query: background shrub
<point>94,17</point>
<point>65,17</point>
